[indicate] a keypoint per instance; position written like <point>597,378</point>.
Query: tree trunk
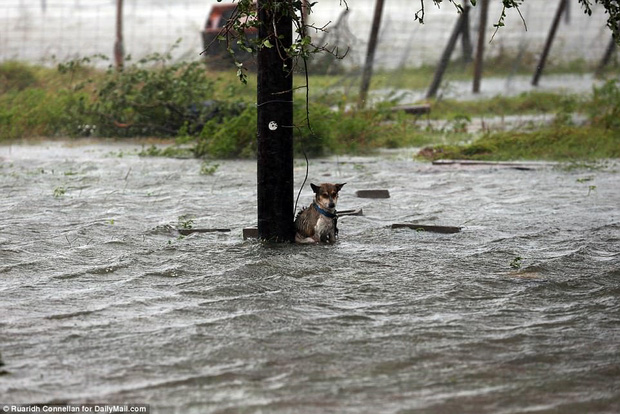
<point>275,125</point>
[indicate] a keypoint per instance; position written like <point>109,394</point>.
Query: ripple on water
<point>104,301</point>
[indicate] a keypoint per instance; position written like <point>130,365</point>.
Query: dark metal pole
<point>549,42</point>
<point>275,124</point>
<point>478,62</point>
<point>445,57</point>
<point>118,44</point>
<point>370,54</point>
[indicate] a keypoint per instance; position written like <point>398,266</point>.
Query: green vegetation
<point>561,140</point>
<point>59,192</point>
<point>207,168</point>
<point>185,222</point>
<point>529,103</point>
<point>565,143</point>
<point>166,151</point>
<point>213,115</point>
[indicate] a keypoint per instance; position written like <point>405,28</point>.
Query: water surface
<point>103,302</point>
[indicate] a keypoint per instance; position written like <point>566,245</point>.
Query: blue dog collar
<point>323,212</point>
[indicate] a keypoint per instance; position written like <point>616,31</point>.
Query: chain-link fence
<point>45,31</point>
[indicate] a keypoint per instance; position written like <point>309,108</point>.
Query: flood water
<point>103,302</point>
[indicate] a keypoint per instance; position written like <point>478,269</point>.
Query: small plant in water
<point>516,263</point>
<point>59,192</point>
<point>208,169</point>
<point>584,179</point>
<point>185,222</point>
<point>459,124</point>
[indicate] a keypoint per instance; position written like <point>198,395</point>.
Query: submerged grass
<point>527,103</point>
<point>565,143</point>
<point>562,140</point>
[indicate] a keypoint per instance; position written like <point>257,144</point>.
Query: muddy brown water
<point>103,302</point>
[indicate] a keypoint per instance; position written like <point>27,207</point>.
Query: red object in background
<point>215,51</point>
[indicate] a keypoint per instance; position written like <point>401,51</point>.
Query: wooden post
<point>445,57</point>
<point>370,54</point>
<point>275,124</point>
<point>478,62</point>
<point>119,51</point>
<point>466,35</point>
<point>549,42</point>
<point>607,56</point>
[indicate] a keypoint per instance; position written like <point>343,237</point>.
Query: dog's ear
<point>315,188</point>
<point>339,186</point>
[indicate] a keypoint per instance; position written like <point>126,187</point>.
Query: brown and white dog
<point>317,223</point>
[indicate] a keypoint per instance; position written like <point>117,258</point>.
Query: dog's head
<point>326,195</point>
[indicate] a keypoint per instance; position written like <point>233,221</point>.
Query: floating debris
<point>429,228</point>
<point>185,232</point>
<point>372,193</point>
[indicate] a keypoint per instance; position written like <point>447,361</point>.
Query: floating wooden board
<point>355,212</point>
<point>372,193</point>
<point>185,232</point>
<point>422,109</point>
<point>250,233</point>
<point>429,228</point>
<point>525,165</point>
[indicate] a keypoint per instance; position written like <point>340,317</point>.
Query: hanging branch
<point>612,9</point>
<point>244,20</point>
<point>508,4</point>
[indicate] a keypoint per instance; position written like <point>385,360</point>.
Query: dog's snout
<point>332,204</point>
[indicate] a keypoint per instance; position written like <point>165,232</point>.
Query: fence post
<point>370,54</point>
<point>479,61</point>
<point>447,52</point>
<point>609,51</point>
<point>119,51</point>
<point>554,28</point>
<point>466,35</point>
